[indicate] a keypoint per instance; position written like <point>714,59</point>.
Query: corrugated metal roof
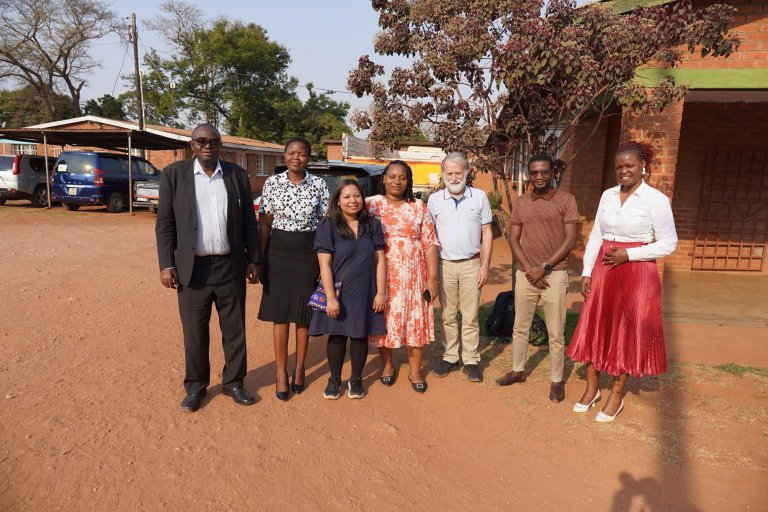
<point>174,134</point>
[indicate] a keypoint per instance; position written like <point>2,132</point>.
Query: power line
<point>121,70</point>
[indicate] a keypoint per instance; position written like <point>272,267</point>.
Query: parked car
<point>332,171</point>
<point>97,178</point>
<point>147,194</point>
<point>257,208</point>
<point>23,177</point>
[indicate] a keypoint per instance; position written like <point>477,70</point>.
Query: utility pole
<point>139,91</point>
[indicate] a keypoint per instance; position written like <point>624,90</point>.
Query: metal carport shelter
<point>118,139</point>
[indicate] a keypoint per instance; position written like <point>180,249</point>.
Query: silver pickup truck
<point>146,194</point>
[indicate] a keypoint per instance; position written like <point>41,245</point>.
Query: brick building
<point>258,157</point>
<point>711,152</point>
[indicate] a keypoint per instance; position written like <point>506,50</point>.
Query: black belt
<point>476,256</point>
<point>215,258</point>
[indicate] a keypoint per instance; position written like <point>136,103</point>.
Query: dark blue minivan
<point>96,178</point>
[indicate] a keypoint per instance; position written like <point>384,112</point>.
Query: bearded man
<point>462,217</point>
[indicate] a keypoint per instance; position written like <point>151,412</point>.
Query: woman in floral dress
<point>411,256</point>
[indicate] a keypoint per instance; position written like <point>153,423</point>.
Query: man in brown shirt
<point>544,223</point>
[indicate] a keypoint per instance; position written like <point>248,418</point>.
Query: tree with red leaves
<point>503,79</point>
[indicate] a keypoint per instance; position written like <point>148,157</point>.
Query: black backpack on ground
<point>502,320</point>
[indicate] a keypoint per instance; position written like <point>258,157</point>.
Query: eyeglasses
<point>533,174</point>
<point>202,142</point>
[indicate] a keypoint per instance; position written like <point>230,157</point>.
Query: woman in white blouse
<point>620,330</point>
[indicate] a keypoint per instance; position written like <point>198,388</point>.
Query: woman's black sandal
<point>388,380</point>
<point>419,387</point>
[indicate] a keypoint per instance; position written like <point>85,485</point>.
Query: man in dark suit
<point>207,244</point>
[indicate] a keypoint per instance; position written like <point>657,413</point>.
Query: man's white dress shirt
<point>211,205</point>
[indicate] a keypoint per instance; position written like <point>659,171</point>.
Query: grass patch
<point>739,370</point>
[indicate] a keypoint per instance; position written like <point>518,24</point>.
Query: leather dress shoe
<point>192,401</point>
<point>557,391</point>
<point>511,378</point>
<point>240,395</point>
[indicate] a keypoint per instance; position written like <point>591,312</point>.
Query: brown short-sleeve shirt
<point>542,219</point>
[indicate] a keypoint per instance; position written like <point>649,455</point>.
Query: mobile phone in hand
<point>427,296</point>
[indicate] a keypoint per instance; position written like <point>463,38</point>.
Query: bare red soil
<point>91,368</point>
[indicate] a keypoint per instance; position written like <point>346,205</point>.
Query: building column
<point>662,132</point>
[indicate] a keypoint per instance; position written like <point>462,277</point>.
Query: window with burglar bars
<point>732,225</point>
<point>261,165</point>
<point>24,149</point>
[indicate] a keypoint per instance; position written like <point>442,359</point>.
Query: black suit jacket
<point>176,226</point>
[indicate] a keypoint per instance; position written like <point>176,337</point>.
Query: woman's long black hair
<point>336,217</point>
<point>409,175</point>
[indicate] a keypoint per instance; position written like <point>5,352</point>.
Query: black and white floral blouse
<point>294,207</point>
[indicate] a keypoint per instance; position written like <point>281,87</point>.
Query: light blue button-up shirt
<point>211,204</point>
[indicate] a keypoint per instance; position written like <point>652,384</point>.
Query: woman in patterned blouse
<point>411,257</point>
<point>292,202</point>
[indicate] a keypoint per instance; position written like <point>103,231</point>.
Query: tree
<point>107,106</point>
<point>492,76</point>
<point>319,118</point>
<point>45,45</point>
<point>22,107</point>
<point>234,76</point>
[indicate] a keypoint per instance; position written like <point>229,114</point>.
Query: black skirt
<point>291,273</point>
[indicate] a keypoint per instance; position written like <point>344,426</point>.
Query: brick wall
<point>730,126</point>
<point>164,158</point>
<point>662,132</point>
<point>334,151</point>
<point>587,172</point>
<point>751,25</point>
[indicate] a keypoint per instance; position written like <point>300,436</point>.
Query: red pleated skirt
<point>621,327</point>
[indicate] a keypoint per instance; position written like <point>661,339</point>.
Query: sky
<point>325,38</point>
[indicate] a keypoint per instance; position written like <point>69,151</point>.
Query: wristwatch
<point>547,268</point>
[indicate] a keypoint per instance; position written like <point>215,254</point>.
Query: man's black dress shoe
<point>557,391</point>
<point>192,401</point>
<point>240,395</point>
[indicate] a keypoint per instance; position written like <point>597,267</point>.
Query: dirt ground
<point>91,369</point>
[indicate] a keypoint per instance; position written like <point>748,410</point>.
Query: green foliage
<point>494,200</point>
<point>22,107</point>
<point>234,76</point>
<point>107,106</point>
<point>319,118</point>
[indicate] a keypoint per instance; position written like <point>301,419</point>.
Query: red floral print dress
<point>409,232</point>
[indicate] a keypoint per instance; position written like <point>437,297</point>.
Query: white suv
<point>23,177</point>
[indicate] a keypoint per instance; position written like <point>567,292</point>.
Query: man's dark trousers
<point>213,281</point>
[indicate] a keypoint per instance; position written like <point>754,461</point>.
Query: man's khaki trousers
<point>526,298</point>
<point>459,293</point>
